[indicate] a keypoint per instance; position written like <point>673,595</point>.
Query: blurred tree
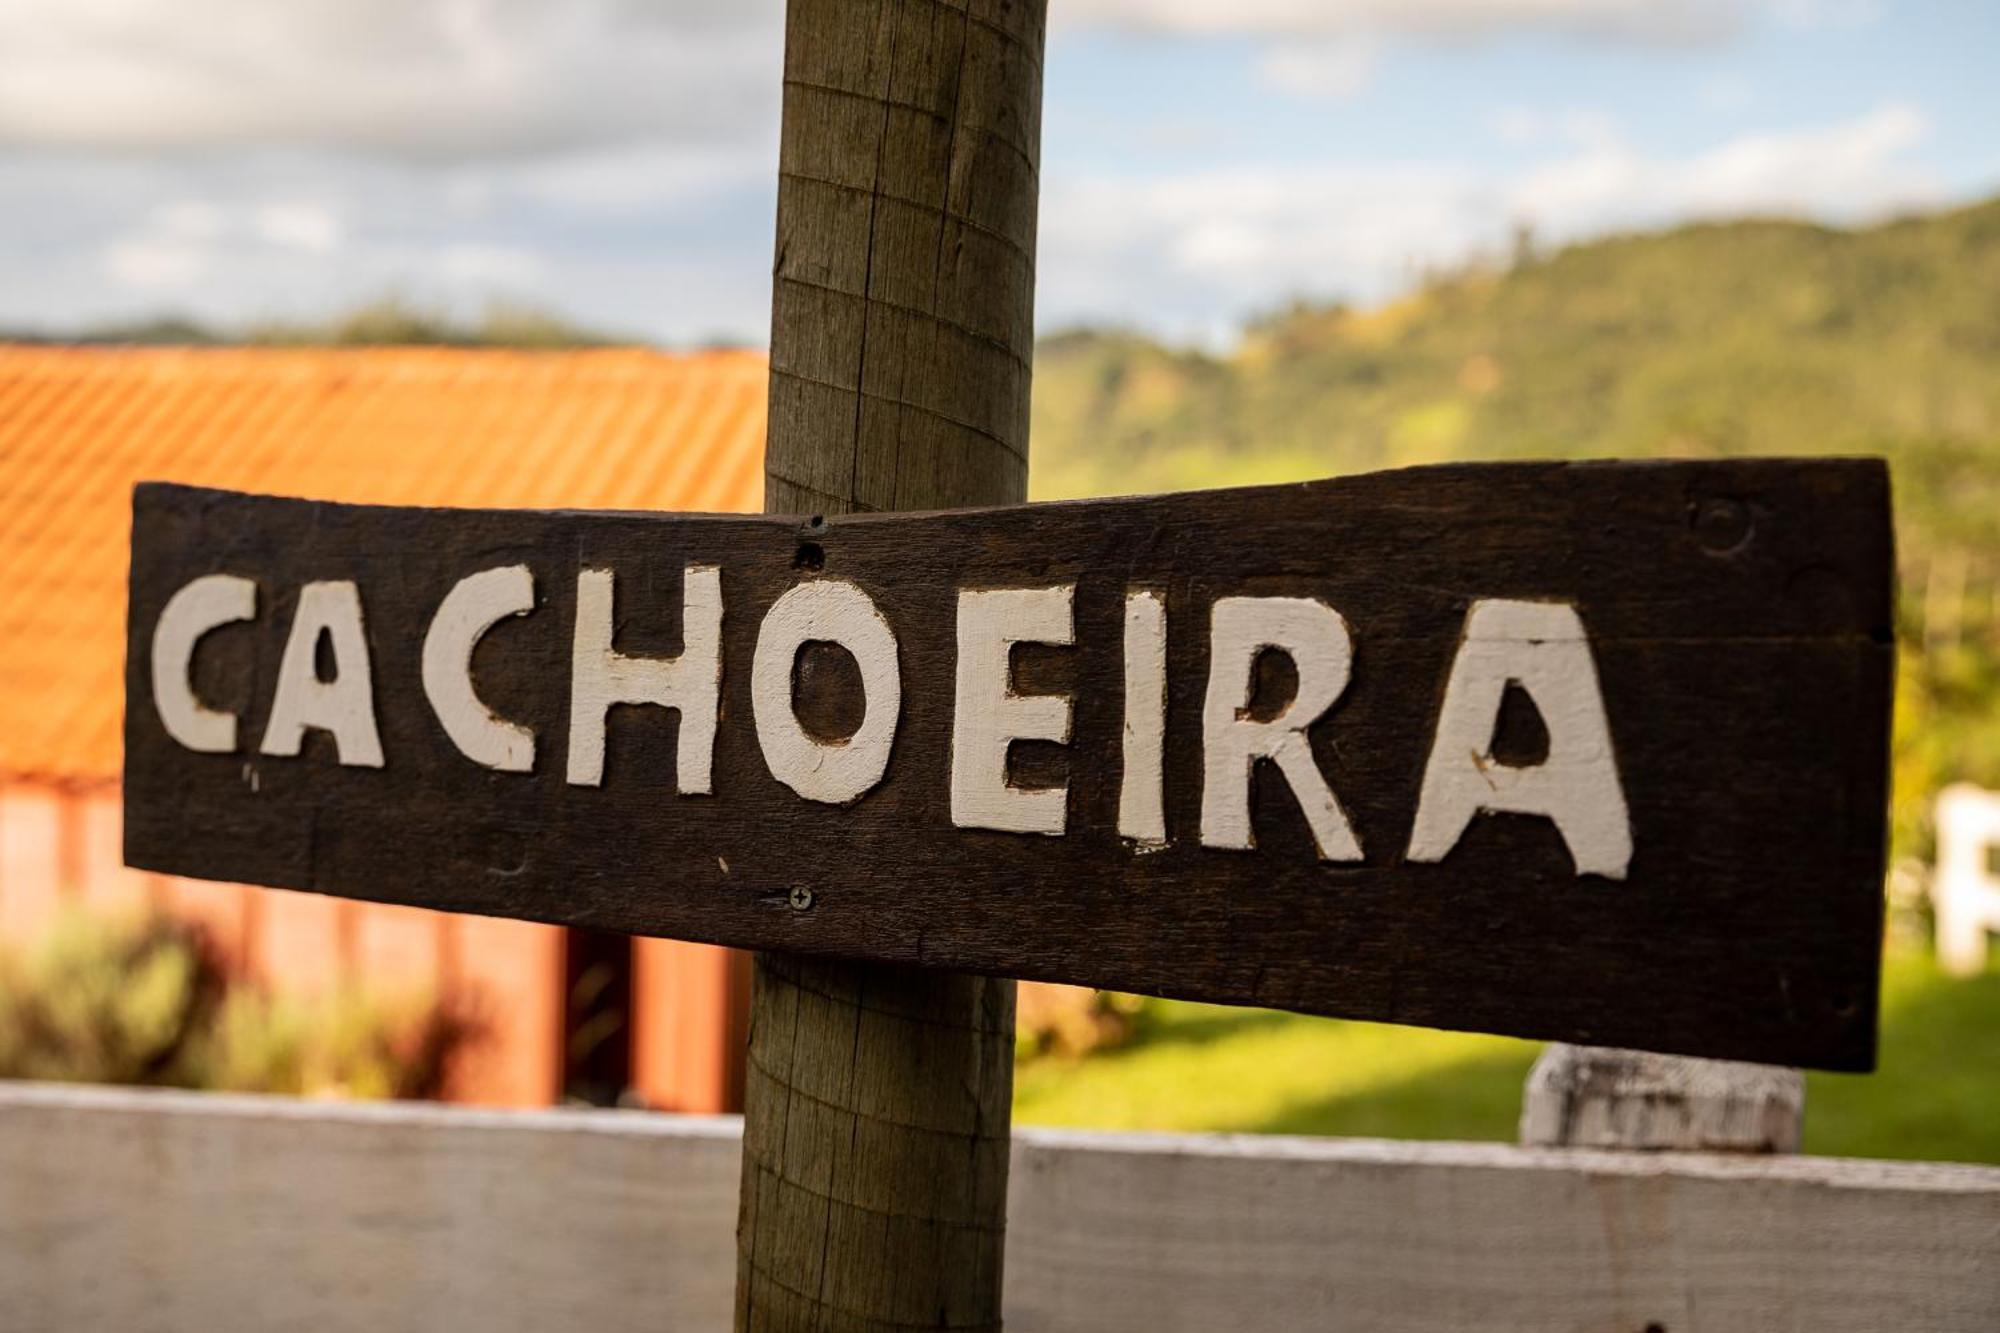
<point>395,321</point>
<point>389,320</point>
<point>1705,341</point>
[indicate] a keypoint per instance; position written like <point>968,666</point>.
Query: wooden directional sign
<point>1594,752</point>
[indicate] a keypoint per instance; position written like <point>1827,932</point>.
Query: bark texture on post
<point>878,1099</point>
<point>902,317</point>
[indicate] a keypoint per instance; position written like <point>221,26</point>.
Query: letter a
<point>343,706</point>
<point>1542,647</point>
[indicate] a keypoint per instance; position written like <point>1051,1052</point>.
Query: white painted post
<point>1966,892</point>
<point>1599,1097</point>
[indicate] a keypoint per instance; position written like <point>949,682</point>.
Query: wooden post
<point>1598,1097</point>
<point>878,1098</point>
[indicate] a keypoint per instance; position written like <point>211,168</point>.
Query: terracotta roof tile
<point>616,429</point>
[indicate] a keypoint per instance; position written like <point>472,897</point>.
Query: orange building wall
<point>31,838</point>
<point>690,1021</point>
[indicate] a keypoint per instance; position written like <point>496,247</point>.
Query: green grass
<point>1198,1067</point>
<point>1936,1094</point>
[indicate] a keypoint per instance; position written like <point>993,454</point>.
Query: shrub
<point>140,1000</point>
<point>1072,1020</point>
<point>347,1044</point>
<point>103,1003</point>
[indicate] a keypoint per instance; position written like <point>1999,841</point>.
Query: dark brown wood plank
<point>1739,619</point>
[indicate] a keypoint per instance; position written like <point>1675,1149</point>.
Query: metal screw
<point>802,898</point>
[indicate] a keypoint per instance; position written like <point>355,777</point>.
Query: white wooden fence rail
<point>135,1211</point>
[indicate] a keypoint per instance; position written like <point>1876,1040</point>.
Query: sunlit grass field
<point>1936,1094</point>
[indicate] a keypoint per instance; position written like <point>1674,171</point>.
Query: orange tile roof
<point>618,429</point>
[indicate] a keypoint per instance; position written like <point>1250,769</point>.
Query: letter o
<point>826,611</point>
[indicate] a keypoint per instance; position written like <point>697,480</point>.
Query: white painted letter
<point>1315,637</point>
<point>1542,647</point>
<point>207,603</point>
<point>826,611</point>
<point>987,713</point>
<point>345,705</point>
<point>691,684</point>
<point>477,603</point>
<point>1141,816</point>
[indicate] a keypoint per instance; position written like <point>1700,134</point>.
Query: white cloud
<point>1524,127</point>
<point>244,236</point>
<point>1334,69</point>
<point>677,242</point>
<point>640,180</point>
<point>1845,171</point>
<point>1725,92</point>
<point>490,266</point>
<point>180,243</point>
<point>188,220</point>
<point>1810,14</point>
<point>614,158</point>
<point>173,248</point>
<point>498,77</point>
<point>155,262</point>
<point>396,76</point>
<point>305,227</point>
<point>1191,253</point>
<point>1330,49</point>
<point>1639,20</point>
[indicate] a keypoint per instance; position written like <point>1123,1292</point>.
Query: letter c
<point>476,604</point>
<point>207,603</point>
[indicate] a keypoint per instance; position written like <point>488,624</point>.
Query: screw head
<point>801,898</point>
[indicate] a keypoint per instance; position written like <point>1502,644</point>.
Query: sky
<point>1202,160</point>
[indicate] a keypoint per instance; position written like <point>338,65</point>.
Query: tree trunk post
<point>878,1099</point>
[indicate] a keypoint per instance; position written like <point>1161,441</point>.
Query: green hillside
<point>1705,341</point>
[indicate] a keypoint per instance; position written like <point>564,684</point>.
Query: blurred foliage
<point>157,331</point>
<point>392,320</point>
<point>140,1000</point>
<point>100,1003</point>
<point>1706,341</point>
<point>349,1044</point>
<point>1069,1021</point>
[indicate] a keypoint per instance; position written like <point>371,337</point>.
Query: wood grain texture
<point>902,321</point>
<point>162,1212</point>
<point>1169,1234</point>
<point>1747,693</point>
<point>877,1106</point>
<point>878,1095</point>
<point>126,1211</point>
<point>1595,1097</point>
